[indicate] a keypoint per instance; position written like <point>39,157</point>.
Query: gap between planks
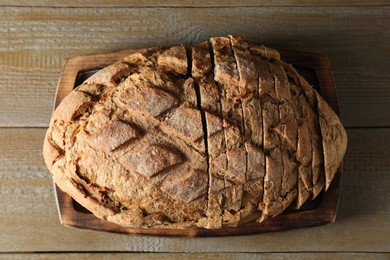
<point>190,3</point>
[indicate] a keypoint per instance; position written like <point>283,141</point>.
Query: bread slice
<point>334,139</point>
<point>287,137</point>
<point>253,127</point>
<point>211,106</point>
<point>226,76</point>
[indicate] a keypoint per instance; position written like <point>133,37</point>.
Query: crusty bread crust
<point>334,139</point>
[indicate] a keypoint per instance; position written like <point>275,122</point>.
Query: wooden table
<point>35,40</point>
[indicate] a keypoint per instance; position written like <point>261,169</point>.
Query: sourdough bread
<point>211,135</point>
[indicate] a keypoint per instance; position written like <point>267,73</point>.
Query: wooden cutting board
<point>317,71</point>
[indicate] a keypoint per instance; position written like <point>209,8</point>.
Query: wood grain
<point>189,256</point>
<point>190,3</point>
<point>35,42</point>
<point>29,219</point>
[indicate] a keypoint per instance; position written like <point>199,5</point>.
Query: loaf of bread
<point>210,135</point>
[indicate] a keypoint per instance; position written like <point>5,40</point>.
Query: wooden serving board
<point>317,71</point>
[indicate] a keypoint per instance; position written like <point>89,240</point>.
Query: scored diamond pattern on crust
<point>150,160</point>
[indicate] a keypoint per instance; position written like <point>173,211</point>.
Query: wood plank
<point>36,41</point>
<point>21,155</point>
<point>189,3</point>
<point>29,219</point>
<point>225,256</point>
